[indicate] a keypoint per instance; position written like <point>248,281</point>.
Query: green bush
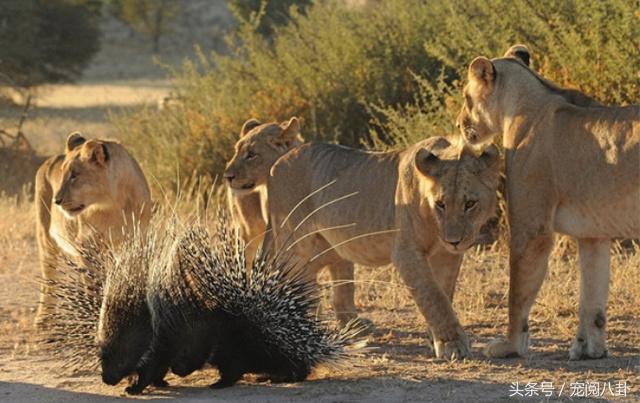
<point>590,45</point>
<point>326,66</point>
<point>149,17</point>
<point>384,75</point>
<point>44,41</point>
<point>275,12</point>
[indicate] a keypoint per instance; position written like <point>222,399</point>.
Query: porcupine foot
<point>137,387</point>
<point>151,374</point>
<point>228,377</point>
<point>290,378</point>
<point>160,383</point>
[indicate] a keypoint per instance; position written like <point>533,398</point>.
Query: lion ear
<point>519,52</point>
<point>73,140</point>
<point>290,131</point>
<point>491,156</point>
<point>248,126</point>
<point>426,162</point>
<point>95,152</point>
<point>482,70</point>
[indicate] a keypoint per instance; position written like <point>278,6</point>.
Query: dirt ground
<point>399,366</point>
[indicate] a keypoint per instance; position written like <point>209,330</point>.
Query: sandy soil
<point>399,368</point>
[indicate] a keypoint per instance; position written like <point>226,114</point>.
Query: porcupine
<point>101,319</point>
<point>206,308</point>
<point>68,329</point>
<point>124,330</point>
<point>176,301</point>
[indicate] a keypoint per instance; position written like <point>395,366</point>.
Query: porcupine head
<point>124,327</point>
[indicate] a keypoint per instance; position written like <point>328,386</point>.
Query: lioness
<point>420,208</point>
<point>259,146</point>
<point>572,167</point>
<point>98,189</point>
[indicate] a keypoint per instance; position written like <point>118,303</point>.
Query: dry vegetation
<point>400,366</point>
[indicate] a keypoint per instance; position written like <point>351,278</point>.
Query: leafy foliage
<point>149,17</point>
<point>43,41</point>
<point>590,45</point>
<point>272,12</point>
<point>384,75</point>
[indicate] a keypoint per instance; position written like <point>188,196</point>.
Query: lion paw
<point>453,349</point>
<point>501,349</point>
<point>584,349</point>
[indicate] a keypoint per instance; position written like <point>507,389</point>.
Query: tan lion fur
<point>246,177</point>
<point>339,206</point>
<point>572,167</point>
<point>95,189</point>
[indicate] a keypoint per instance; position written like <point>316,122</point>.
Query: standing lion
<point>419,208</point>
<point>572,167</point>
<point>95,189</point>
<point>259,146</point>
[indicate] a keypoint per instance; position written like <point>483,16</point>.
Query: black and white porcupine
<point>68,329</point>
<point>180,298</point>
<point>124,330</point>
<point>205,307</point>
<point>101,318</point>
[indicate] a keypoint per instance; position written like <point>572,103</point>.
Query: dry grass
<point>400,361</point>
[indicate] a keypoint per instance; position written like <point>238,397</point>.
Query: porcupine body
<point>124,330</point>
<point>179,299</point>
<point>101,318</point>
<point>68,329</point>
<point>206,308</point>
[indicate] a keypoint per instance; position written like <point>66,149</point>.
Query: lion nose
<point>454,243</point>
<point>58,200</point>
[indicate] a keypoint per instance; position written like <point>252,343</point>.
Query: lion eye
<point>468,101</point>
<point>250,155</point>
<point>470,204</point>
<point>440,204</point>
<point>73,175</point>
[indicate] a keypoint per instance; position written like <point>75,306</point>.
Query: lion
<point>419,209</point>
<point>572,167</point>
<point>258,147</point>
<point>96,189</point>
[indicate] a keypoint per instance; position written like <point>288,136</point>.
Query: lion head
<point>459,188</point>
<point>496,87</point>
<point>479,118</point>
<point>258,148</point>
<point>84,175</point>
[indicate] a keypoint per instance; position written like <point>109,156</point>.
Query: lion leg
<point>591,340</point>
<point>47,300</point>
<point>46,247</point>
<point>246,212</point>
<point>251,248</point>
<point>450,340</point>
<point>343,291</point>
<point>445,267</point>
<point>528,262</point>
<point>343,294</point>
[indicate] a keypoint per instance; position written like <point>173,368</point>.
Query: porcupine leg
<point>230,373</point>
<point>155,366</point>
<point>159,382</point>
<point>296,375</point>
<point>146,376</point>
